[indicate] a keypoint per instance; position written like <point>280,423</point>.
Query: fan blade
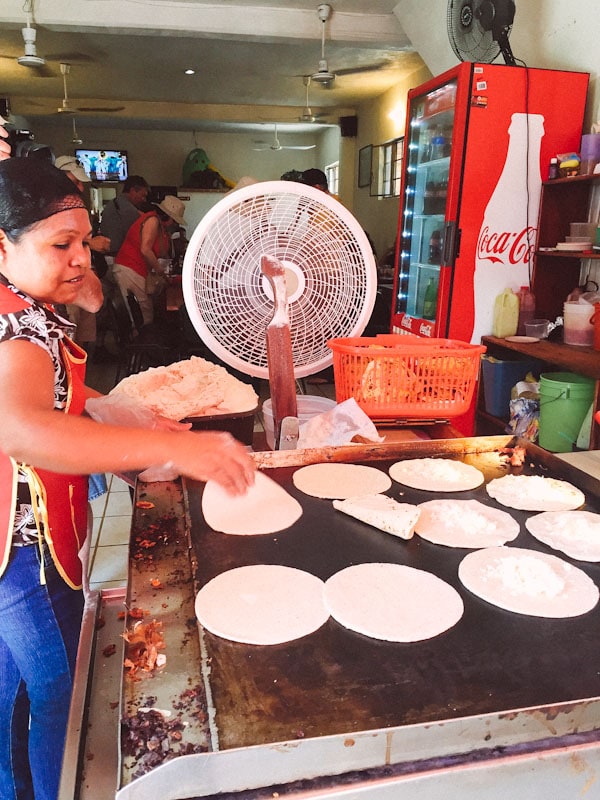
<point>101,109</point>
<point>297,147</point>
<point>70,58</point>
<point>366,68</point>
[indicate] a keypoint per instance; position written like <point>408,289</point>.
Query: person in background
<point>47,448</point>
<point>84,316</point>
<point>120,214</point>
<point>317,179</point>
<point>146,246</point>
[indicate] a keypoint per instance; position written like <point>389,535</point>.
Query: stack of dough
<point>191,388</point>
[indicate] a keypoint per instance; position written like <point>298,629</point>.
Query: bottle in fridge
<point>478,143</point>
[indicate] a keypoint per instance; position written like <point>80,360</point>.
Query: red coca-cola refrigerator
<point>478,143</point>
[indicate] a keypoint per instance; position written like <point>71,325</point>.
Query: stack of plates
<point>574,246</point>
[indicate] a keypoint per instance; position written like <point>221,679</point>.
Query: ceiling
<point>127,61</point>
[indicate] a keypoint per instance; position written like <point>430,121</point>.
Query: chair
<point>140,348</point>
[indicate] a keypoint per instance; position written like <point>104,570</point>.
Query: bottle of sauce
<point>526,309</point>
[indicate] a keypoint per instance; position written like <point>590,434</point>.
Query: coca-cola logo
<point>506,247</point>
<point>425,329</point>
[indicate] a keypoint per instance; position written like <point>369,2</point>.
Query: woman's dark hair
<point>32,190</point>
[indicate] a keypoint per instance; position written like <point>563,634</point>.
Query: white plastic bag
<point>125,411</point>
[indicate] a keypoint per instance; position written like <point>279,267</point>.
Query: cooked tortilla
<point>383,512</point>
<point>465,523</point>
<point>265,508</point>
<point>436,474</point>
<point>528,582</point>
<point>575,533</point>
<point>262,604</point>
<point>340,481</point>
<point>535,493</point>
<point>392,602</point>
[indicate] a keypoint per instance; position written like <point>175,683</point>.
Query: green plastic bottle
<point>430,300</point>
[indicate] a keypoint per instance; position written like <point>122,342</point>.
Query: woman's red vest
<point>60,501</point>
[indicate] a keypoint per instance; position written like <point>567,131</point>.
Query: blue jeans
<point>39,634</point>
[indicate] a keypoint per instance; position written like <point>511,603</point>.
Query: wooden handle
<point>280,360</point>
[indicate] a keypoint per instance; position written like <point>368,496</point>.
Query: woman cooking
<point>47,448</point>
<point>148,241</point>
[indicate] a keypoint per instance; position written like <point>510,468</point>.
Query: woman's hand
<point>217,456</point>
<point>4,145</point>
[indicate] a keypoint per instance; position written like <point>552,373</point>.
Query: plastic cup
<point>537,328</point>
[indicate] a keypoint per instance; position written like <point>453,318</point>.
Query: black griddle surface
<point>336,681</point>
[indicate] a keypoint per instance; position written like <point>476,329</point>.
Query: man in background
<point>120,214</point>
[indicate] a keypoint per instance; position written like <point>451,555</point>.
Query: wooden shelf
<point>579,254</point>
<point>568,357</point>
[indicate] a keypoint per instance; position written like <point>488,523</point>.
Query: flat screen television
<point>104,165</point>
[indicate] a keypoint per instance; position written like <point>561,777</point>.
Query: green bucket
<point>565,400</point>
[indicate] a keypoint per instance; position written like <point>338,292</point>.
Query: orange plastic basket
<point>406,377</point>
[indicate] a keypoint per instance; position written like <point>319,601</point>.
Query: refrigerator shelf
<point>435,162</point>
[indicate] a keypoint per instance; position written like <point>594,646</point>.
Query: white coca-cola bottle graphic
<point>507,237</point>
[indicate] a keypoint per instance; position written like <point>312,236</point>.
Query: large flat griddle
<point>333,684</point>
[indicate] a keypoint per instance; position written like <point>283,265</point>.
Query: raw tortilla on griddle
<point>535,493</point>
<point>528,582</point>
<point>262,604</point>
<point>465,523</point>
<point>340,481</point>
<point>436,474</point>
<point>265,508</point>
<point>575,533</point>
<point>392,602</point>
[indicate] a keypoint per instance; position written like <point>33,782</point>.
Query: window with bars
<point>391,159</point>
<point>332,171</point>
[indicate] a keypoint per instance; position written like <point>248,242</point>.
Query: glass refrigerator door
<point>424,209</point>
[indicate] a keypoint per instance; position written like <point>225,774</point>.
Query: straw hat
<point>174,208</point>
<point>247,180</point>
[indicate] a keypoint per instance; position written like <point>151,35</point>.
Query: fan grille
<point>330,275</point>
<point>469,39</point>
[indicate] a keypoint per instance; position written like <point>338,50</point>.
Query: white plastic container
<point>309,405</point>
<point>578,329</point>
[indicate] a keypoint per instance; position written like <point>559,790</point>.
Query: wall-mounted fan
<point>276,145</point>
<point>479,29</point>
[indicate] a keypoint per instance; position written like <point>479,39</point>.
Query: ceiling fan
<point>323,74</point>
<point>76,137</point>
<point>66,108</point>
<point>307,113</point>
<point>38,65</point>
<point>276,145</point>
